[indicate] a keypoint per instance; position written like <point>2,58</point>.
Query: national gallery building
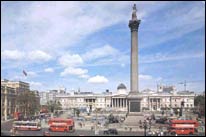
<point>163,98</point>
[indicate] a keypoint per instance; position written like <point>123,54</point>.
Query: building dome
<point>121,86</point>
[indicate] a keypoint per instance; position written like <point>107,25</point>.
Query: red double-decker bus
<point>26,125</point>
<point>18,115</point>
<point>182,127</point>
<point>59,127</point>
<point>60,124</point>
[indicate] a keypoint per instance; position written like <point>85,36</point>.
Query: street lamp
<point>145,125</point>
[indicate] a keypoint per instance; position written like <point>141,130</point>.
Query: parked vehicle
<point>161,120</point>
<point>111,131</point>
<point>183,127</point>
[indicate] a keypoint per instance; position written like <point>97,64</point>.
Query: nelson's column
<point>134,98</point>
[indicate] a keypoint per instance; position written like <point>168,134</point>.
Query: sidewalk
<point>3,121</point>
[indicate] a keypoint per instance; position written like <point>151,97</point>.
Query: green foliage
<point>199,102</point>
<point>53,105</point>
<point>77,112</point>
<point>28,103</point>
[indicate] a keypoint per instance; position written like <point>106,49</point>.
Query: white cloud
<point>181,21</point>
<point>39,55</point>
<point>36,84</point>
<point>84,76</point>
<point>122,65</point>
<point>98,79</point>
<point>73,71</point>
<point>49,70</point>
<point>161,57</point>
<point>42,29</point>
<point>31,74</point>
<point>145,77</point>
<point>12,54</point>
<point>104,51</point>
<point>70,60</point>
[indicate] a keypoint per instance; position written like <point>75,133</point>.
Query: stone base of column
<point>134,113</point>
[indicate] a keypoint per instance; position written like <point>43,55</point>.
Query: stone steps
<point>133,120</point>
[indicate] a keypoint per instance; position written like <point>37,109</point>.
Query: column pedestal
<point>134,114</point>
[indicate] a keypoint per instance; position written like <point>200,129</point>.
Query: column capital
<point>134,25</point>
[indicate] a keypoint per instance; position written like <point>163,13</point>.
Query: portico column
<point>121,102</point>
<point>5,104</point>
<point>152,104</point>
<point>118,102</point>
<point>159,103</point>
<point>115,102</point>
<point>156,104</point>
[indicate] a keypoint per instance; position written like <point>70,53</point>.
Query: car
<point>161,120</point>
<point>81,119</point>
<point>111,131</point>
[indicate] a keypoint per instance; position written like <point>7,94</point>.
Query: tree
<point>27,103</point>
<point>77,112</point>
<point>111,118</point>
<point>54,105</point>
<point>199,102</point>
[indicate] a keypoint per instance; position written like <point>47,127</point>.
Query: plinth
<point>134,114</point>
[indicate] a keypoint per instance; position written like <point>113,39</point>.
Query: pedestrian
<point>45,133</point>
<point>13,131</point>
<point>161,133</point>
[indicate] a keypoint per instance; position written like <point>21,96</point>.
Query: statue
<point>134,16</point>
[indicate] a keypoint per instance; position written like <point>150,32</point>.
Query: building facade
<point>9,92</point>
<point>151,100</point>
<point>19,86</point>
<point>51,95</point>
<point>8,102</point>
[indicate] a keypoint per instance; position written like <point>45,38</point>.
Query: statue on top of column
<point>134,16</point>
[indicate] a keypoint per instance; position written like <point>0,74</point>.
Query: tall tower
<point>134,25</point>
<point>134,98</point>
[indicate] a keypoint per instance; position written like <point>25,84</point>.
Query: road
<point>76,133</point>
<point>6,127</point>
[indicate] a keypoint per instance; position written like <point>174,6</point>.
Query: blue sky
<point>86,45</point>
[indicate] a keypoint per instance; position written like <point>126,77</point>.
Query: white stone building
<point>151,100</point>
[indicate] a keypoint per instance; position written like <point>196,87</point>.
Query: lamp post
<point>146,126</point>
